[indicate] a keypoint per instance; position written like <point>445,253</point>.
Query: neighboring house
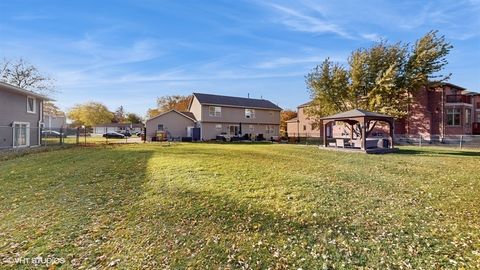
<point>302,125</point>
<point>442,110</point>
<point>20,117</point>
<point>214,115</point>
<point>54,121</point>
<point>117,127</point>
<point>173,123</point>
<point>436,112</point>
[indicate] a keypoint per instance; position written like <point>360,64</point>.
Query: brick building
<point>436,112</point>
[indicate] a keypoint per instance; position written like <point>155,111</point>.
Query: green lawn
<point>238,205</point>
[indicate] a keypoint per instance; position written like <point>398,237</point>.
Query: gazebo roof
<point>356,113</point>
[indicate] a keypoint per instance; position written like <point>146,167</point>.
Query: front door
<point>233,130</point>
<point>21,134</point>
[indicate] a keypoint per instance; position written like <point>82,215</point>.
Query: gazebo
<point>362,124</point>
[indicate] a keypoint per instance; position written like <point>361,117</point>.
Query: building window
<point>251,128</point>
<point>160,127</point>
<point>269,129</point>
<point>215,111</point>
<point>218,127</point>
<point>468,117</point>
<point>453,117</point>
<point>304,127</point>
<point>31,105</point>
<point>249,113</point>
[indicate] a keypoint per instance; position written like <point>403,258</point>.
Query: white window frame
<point>34,105</point>
<point>468,117</point>
<point>250,113</point>
<point>251,128</point>
<point>27,134</point>
<point>218,127</point>
<point>163,127</point>
<point>216,112</point>
<point>453,112</point>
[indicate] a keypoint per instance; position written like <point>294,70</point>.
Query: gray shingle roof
<point>305,104</point>
<point>356,113</point>
<point>189,114</point>
<point>208,99</point>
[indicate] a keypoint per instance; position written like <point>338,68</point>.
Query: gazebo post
<point>324,125</point>
<point>391,133</point>
<point>364,134</point>
<point>351,133</point>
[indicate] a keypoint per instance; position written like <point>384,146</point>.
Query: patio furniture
<point>342,143</point>
<point>364,122</point>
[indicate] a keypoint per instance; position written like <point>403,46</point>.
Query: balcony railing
<point>459,99</point>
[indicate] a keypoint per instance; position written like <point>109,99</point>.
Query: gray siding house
<point>220,115</point>
<point>174,124</point>
<point>21,114</point>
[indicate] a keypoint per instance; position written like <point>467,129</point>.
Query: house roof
<point>292,120</point>
<point>119,125</point>
<point>447,84</point>
<point>356,113</point>
<point>13,88</point>
<point>305,104</point>
<point>209,99</point>
<point>188,115</point>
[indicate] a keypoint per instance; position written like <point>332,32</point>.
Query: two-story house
<point>436,112</point>
<point>214,115</point>
<point>303,125</point>
<point>21,114</point>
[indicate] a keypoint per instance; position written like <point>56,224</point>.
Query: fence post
<point>78,135</point>
<point>41,137</point>
<point>61,135</point>
<point>461,141</point>
<point>420,141</point>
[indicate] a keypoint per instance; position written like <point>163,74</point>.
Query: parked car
<point>52,134</point>
<point>114,135</point>
<point>126,133</point>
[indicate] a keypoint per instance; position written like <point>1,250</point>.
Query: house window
<point>215,111</point>
<point>453,117</point>
<point>218,127</point>
<point>269,129</point>
<point>251,128</point>
<point>304,127</point>
<point>468,117</point>
<point>31,104</point>
<point>160,127</point>
<point>249,113</point>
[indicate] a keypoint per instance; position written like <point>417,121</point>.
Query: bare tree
<point>27,76</point>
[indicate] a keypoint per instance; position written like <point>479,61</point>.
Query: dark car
<point>52,134</point>
<point>126,133</point>
<point>114,135</point>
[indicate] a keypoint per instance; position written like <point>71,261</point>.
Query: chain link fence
<point>456,141</point>
<point>22,135</point>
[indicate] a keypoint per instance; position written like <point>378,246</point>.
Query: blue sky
<point>130,52</point>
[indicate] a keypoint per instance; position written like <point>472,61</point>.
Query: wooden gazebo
<point>366,121</point>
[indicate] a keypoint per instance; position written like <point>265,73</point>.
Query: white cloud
<point>299,21</point>
<point>371,36</point>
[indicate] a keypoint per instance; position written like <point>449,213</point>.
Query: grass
<point>242,206</point>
